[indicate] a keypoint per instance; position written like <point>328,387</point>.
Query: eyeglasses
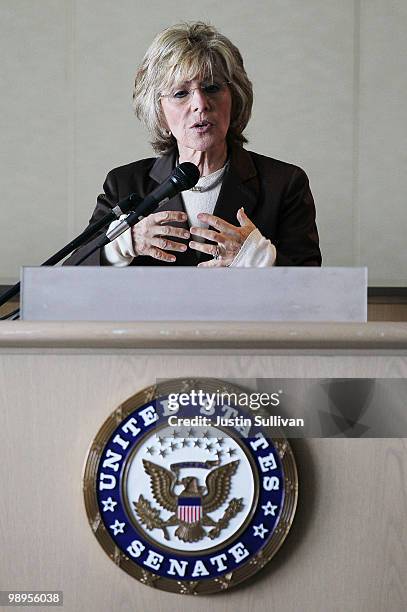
<point>184,94</point>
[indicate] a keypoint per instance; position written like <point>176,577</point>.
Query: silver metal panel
<point>191,294</point>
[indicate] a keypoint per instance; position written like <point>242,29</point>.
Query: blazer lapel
<point>160,171</point>
<point>240,187</point>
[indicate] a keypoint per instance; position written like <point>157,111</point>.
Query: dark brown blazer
<point>275,195</point>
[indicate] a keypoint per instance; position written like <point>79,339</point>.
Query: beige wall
<point>330,91</point>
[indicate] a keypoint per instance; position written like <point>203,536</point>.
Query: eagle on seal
<point>192,506</point>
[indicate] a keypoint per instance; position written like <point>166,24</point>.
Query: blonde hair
<point>181,53</point>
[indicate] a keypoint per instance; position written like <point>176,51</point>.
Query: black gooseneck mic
<point>122,207</point>
<point>183,177</point>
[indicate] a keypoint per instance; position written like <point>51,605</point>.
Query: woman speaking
<point>194,95</point>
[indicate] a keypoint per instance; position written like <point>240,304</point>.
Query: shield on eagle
<point>189,509</point>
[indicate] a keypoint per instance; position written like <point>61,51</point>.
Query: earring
<point>168,132</point>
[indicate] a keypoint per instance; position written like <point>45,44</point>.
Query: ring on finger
<point>217,254</point>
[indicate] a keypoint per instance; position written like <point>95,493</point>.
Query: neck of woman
<point>207,161</point>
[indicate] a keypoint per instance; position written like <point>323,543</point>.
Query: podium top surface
<point>202,336</point>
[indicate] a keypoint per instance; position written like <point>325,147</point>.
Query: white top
<point>196,202</point>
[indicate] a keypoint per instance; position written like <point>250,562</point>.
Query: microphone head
<point>186,175</point>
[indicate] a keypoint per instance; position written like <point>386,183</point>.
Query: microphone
<point>183,177</point>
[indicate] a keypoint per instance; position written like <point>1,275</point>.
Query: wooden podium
<point>59,382</point>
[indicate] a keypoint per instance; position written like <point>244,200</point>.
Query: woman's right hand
<point>150,237</point>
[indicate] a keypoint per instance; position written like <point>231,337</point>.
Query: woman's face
<point>200,120</point>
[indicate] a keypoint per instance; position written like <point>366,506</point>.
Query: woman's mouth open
<point>201,127</point>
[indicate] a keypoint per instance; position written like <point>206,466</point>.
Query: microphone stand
<point>121,208</point>
<point>183,177</point>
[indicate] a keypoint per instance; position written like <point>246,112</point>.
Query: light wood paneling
<point>347,548</point>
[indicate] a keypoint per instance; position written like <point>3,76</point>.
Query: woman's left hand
<point>228,238</point>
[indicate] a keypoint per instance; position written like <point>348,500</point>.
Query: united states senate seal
<point>196,507</point>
